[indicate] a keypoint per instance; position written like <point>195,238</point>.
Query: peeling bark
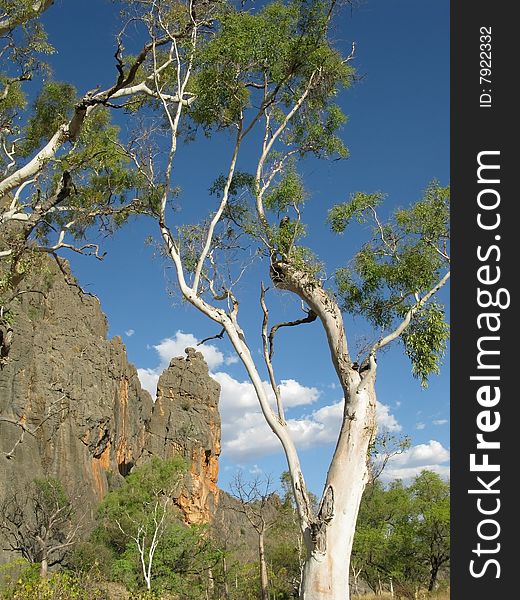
<point>326,573</point>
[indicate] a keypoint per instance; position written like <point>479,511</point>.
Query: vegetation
<point>149,544</point>
<point>401,543</point>
<point>267,79</point>
<point>403,535</point>
<point>40,523</point>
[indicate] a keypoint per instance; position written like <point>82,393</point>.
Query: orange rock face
<point>185,421</point>
<point>74,388</point>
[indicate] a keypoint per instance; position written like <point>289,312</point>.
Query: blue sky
<point>398,137</point>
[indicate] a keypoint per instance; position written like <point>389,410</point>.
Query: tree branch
<point>218,336</point>
<point>310,318</point>
<point>268,144</point>
<point>409,316</point>
<point>218,214</point>
<point>268,356</point>
<point>38,7</point>
<point>69,131</point>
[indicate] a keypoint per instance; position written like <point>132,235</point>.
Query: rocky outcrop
<point>185,421</point>
<point>72,407</point>
<point>71,392</point>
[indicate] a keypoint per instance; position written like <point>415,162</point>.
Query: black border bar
<point>484,126</point>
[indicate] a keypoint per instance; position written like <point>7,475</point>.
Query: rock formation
<point>72,406</point>
<point>185,421</point>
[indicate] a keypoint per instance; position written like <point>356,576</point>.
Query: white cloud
<point>174,346</point>
<point>129,332</point>
<point>410,472</point>
<point>295,394</point>
<point>232,359</point>
<point>431,456</point>
<point>245,433</point>
<point>440,421</point>
<point>244,429</point>
<point>432,452</point>
<point>420,426</point>
<point>149,379</point>
<point>385,420</point>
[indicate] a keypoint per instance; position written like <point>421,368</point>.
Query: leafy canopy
<point>403,261</point>
<point>403,530</point>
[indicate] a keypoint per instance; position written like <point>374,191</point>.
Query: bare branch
<point>267,146</point>
<point>218,214</point>
<point>22,423</point>
<point>310,318</point>
<point>268,355</point>
<point>218,336</point>
<point>352,54</point>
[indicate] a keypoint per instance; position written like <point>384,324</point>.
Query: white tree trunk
<point>326,570</point>
<point>329,535</point>
<point>264,585</point>
<point>44,567</point>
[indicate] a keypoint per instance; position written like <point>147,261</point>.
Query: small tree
<point>136,516</point>
<point>260,506</point>
<point>431,501</point>
<point>41,523</point>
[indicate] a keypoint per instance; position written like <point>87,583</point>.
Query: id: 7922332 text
<point>485,67</point>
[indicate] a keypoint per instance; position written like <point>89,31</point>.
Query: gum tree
<point>62,167</point>
<point>272,77</point>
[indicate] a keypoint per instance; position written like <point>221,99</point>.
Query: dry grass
<point>443,595</point>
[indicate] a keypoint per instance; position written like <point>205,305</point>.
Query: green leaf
<point>405,259</point>
<point>425,341</point>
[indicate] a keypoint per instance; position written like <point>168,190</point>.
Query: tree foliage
<point>141,526</point>
<point>403,534</point>
<point>403,261</point>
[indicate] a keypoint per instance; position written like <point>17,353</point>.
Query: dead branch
<point>267,357</point>
<point>218,336</point>
<point>311,317</point>
<point>22,423</point>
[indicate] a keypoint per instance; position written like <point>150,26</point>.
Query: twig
<point>311,316</point>
<point>219,336</point>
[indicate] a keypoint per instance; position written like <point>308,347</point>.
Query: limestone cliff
<point>73,390</point>
<point>185,420</point>
<point>72,407</point>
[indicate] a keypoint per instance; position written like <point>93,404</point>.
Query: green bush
<point>58,586</point>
